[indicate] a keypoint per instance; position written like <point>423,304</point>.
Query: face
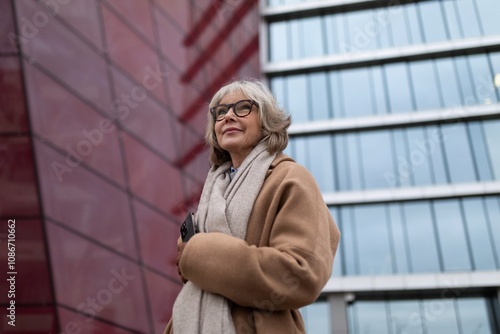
<point>238,135</point>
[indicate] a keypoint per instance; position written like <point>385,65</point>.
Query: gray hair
<point>274,121</point>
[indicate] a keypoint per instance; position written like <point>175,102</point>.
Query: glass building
<point>396,112</point>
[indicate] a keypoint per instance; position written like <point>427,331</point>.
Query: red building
<point>103,105</point>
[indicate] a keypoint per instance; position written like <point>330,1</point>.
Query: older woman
<point>267,240</point>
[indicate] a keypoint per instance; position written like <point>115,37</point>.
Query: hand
<point>180,248</point>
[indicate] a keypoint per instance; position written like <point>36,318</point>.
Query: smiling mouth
<point>231,130</point>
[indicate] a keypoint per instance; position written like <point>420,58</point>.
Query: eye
<point>220,111</point>
<point>244,106</point>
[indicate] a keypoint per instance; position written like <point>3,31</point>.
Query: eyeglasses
<point>241,109</point>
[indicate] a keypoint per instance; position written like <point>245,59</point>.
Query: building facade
<point>102,115</point>
<point>395,110</point>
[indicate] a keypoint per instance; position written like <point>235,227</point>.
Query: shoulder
<point>286,170</point>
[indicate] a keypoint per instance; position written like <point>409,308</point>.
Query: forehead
<point>233,97</point>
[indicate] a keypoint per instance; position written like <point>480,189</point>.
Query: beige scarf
<point>225,206</point>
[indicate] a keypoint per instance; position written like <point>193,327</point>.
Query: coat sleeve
<point>290,272</point>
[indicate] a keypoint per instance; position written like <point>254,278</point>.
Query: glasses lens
<point>220,112</point>
<point>243,108</point>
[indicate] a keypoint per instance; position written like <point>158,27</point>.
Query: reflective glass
<point>377,158</point>
<point>458,153</point>
<point>378,91</point>
<point>361,29</point>
<point>340,44</point>
<point>372,233</point>
<point>399,27</point>
<point>342,162</point>
<point>419,156</point>
<point>425,85</point>
<point>294,36</point>
<point>414,24</point>
<point>278,89</point>
<point>297,99</point>
<point>371,317</point>
<point>405,316</point>
<point>451,15</point>
<point>451,233</point>
<point>319,96</point>
<point>338,262</point>
<point>431,16</point>
<point>300,150</point>
<point>448,82</point>
<point>479,150</point>
<point>468,18</point>
<point>317,317</point>
<point>312,37</point>
<point>349,242</point>
<point>473,316</point>
<point>336,95</point>
<point>493,209</point>
<point>383,27</point>
<point>398,87</point>
<point>492,135</point>
<point>439,316</point>
<point>423,250</point>
<point>399,238</point>
<point>465,81</point>
<point>479,232</point>
<point>321,161</point>
<point>400,176</point>
<point>435,142</point>
<point>488,15</point>
<point>355,164</point>
<point>278,35</point>
<point>330,34</point>
<point>357,91</point>
<point>495,64</point>
<point>484,88</point>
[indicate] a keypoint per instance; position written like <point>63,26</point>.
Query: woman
<point>267,240</point>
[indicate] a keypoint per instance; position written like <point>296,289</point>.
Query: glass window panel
<point>448,83</point>
<point>371,317</point>
<point>321,161</point>
<point>420,150</point>
<point>355,174</point>
<point>458,153</point>
<point>278,41</point>
<point>423,250</point>
<point>341,162</point>
<point>495,63</point>
<point>431,16</point>
<point>336,95</point>
<point>331,36</point>
<point>384,29</point>
<point>450,11</point>
<point>424,82</point>
<point>492,134</point>
<point>348,244</point>
<point>483,79</point>
<point>479,150</point>
<point>300,150</point>
<point>377,158</point>
<point>312,37</point>
<point>493,208</point>
<point>372,233</point>
<point>278,89</point>
<point>435,138</point>
<point>414,24</point>
<point>468,18</point>
<point>294,39</point>
<point>317,317</point>
<point>479,234</point>
<point>341,45</point>
<point>378,91</point>
<point>473,315</point>
<point>357,91</point>
<point>319,96</point>
<point>399,238</point>
<point>465,81</point>
<point>361,33</point>
<point>399,28</point>
<point>338,262</point>
<point>401,174</point>
<point>440,317</point>
<point>398,87</point>
<point>452,238</point>
<point>488,16</point>
<point>297,98</point>
<point>405,317</point>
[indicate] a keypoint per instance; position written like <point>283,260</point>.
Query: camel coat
<point>284,261</point>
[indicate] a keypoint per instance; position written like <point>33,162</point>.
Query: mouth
<point>230,130</point>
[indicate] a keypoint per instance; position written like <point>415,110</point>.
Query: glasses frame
<point>231,106</point>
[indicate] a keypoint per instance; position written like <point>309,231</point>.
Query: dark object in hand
<point>187,228</point>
